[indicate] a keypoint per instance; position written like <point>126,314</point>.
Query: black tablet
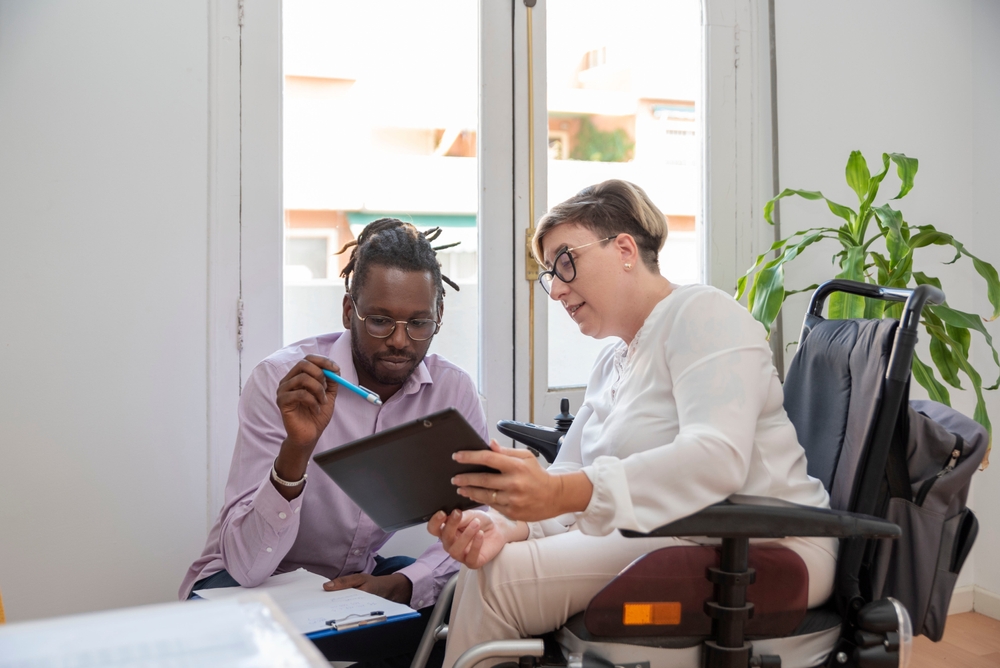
<point>402,476</point>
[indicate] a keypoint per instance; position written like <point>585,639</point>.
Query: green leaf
<point>873,185</point>
<point>777,245</point>
<point>989,273</point>
<point>858,176</point>
<point>923,279</point>
<point>945,361</point>
<point>767,292</point>
<point>844,306</point>
<point>808,288</point>
<point>892,221</point>
<point>894,310</point>
<point>925,376</point>
<point>769,289</point>
<point>928,235</point>
<point>984,269</point>
<point>927,238</point>
<point>874,308</point>
<point>883,268</point>
<point>844,212</point>
<point>964,320</point>
<point>900,276</point>
<point>906,168</point>
<point>979,414</point>
<point>961,336</point>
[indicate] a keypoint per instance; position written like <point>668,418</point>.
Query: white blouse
<point>686,415</point>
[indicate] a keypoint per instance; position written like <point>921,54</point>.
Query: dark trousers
<point>380,646</point>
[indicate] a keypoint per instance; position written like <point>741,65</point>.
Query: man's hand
<point>395,587</point>
<point>474,538</point>
<point>522,490</point>
<point>306,399</point>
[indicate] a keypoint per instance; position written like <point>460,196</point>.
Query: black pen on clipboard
<point>355,620</point>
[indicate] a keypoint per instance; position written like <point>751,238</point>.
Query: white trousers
<point>534,586</point>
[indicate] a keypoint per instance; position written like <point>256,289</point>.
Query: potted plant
<point>877,246</point>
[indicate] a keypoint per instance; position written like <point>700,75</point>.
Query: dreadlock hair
<point>389,242</point>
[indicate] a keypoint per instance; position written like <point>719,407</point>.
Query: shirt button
<point>297,509</point>
<point>282,515</point>
<point>269,550</point>
<point>420,603</point>
<point>357,552</point>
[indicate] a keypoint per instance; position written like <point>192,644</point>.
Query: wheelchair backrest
<point>834,393</point>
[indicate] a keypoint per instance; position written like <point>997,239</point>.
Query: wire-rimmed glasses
<point>563,266</point>
<point>382,326</point>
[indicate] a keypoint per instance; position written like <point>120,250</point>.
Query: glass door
<point>622,101</point>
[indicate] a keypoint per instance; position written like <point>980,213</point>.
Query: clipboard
<point>361,624</point>
<point>309,607</point>
<point>402,476</point>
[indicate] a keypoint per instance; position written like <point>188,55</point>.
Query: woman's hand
<point>523,490</point>
<point>472,538</point>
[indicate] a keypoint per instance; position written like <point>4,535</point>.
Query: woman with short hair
<point>682,412</point>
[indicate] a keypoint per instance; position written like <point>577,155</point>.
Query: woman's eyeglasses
<point>563,266</point>
<point>382,326</point>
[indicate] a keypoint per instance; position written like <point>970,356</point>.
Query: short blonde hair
<point>609,208</point>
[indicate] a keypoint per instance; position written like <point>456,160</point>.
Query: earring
<point>628,265</point>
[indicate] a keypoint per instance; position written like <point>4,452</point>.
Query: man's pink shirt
<point>260,533</point>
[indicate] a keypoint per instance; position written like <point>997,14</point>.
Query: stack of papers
<point>246,631</point>
<point>300,595</point>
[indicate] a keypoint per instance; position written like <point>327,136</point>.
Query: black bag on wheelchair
<point>928,485</point>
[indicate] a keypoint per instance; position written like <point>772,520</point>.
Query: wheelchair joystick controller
<point>565,419</point>
<point>543,440</point>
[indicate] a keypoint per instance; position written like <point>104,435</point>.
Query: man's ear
<point>440,309</point>
<point>348,310</point>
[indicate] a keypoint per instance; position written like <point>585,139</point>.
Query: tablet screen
<point>402,476</point>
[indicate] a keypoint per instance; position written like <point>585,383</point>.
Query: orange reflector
<point>652,614</point>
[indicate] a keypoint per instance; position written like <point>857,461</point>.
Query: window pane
<point>305,257</point>
<point>623,95</point>
<point>380,118</point>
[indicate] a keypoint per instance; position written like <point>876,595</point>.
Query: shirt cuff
<point>425,590</point>
<point>609,500</point>
<point>279,513</point>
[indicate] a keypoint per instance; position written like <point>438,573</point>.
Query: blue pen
<point>369,396</point>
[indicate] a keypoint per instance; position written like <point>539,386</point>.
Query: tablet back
<point>402,476</point>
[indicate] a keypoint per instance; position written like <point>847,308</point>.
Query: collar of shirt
<point>342,356</point>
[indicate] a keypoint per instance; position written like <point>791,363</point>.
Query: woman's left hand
<point>522,490</point>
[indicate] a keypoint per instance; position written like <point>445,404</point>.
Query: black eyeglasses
<point>382,326</point>
<point>563,266</point>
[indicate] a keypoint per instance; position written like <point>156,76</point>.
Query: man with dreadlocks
<point>273,519</point>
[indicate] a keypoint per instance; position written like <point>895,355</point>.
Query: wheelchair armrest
<point>545,440</point>
<point>763,517</point>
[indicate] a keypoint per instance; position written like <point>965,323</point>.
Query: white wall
<point>985,106</point>
<point>920,77</point>
<point>103,275</point>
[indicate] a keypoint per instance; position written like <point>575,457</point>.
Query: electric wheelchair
<point>741,605</point>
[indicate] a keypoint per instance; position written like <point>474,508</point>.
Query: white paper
<point>301,596</point>
<point>248,632</point>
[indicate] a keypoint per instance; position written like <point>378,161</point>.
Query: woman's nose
<point>557,289</point>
